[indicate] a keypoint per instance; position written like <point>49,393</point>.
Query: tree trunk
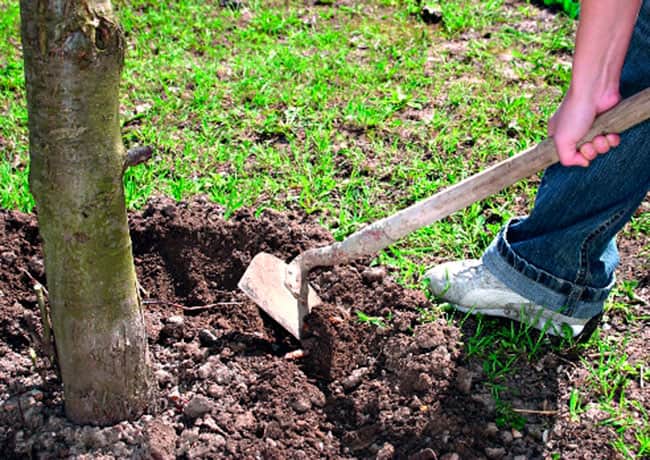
<point>74,52</point>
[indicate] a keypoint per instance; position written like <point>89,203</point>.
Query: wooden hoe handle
<point>373,238</point>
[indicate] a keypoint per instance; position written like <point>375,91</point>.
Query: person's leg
<point>562,257</point>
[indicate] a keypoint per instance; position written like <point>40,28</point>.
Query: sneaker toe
<point>448,280</point>
<point>438,278</point>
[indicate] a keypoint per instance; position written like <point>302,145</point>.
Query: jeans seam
<point>583,269</point>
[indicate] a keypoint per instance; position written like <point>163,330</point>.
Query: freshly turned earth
<point>232,384</point>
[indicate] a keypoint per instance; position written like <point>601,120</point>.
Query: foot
<point>470,287</point>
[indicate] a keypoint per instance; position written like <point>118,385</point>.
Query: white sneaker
<point>470,287</point>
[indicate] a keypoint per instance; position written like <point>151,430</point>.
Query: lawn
<point>347,112</point>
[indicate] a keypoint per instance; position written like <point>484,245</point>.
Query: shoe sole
<point>541,318</point>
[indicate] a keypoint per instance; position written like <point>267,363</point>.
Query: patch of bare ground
<point>233,384</point>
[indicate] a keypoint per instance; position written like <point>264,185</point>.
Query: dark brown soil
<point>235,385</point>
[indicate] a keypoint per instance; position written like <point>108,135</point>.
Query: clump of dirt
<point>233,383</point>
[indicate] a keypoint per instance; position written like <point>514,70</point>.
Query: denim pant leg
<point>563,255</point>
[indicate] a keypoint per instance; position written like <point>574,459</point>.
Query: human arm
<point>602,40</point>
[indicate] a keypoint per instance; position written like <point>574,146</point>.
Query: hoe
<point>282,290</point>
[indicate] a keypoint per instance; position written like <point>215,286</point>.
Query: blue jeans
<point>563,255</point>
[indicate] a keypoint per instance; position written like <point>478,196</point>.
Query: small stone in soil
<point>487,400</point>
<point>161,440</point>
<point>175,321</point>
<point>207,338</point>
<point>10,405</point>
<point>464,380</point>
<point>210,424</point>
<point>535,432</point>
<point>272,430</point>
<point>36,394</point>
<point>386,452</point>
<point>506,437</point>
<point>373,274</point>
<point>36,266</point>
<point>204,371</point>
<point>223,375</point>
<point>423,382</point>
<point>495,453</point>
<point>318,399</point>
<point>353,380</point>
<point>424,454</point>
<point>245,420</point>
<point>163,377</point>
<point>491,430</point>
<point>173,327</point>
<point>198,406</point>
<point>216,391</point>
<point>450,456</point>
<point>8,257</point>
<point>300,404</point>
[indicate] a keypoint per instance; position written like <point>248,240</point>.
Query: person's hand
<point>571,123</point>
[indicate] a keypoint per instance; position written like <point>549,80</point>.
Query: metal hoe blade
<point>264,282</point>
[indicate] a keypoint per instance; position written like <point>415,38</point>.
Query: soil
<point>234,385</point>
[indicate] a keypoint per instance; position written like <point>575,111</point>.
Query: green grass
<point>376,321</point>
<point>570,7</point>
<point>611,373</point>
<point>288,107</point>
<point>503,350</point>
<point>348,113</point>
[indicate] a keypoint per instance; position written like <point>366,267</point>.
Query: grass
<point>349,113</point>
<point>611,373</point>
<point>611,382</point>
<point>319,103</point>
<point>376,321</point>
<point>503,350</point>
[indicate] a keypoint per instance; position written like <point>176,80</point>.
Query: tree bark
<point>74,53</point>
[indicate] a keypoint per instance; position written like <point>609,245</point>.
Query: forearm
<point>601,44</point>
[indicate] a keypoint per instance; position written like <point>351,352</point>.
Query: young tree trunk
<point>74,52</point>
